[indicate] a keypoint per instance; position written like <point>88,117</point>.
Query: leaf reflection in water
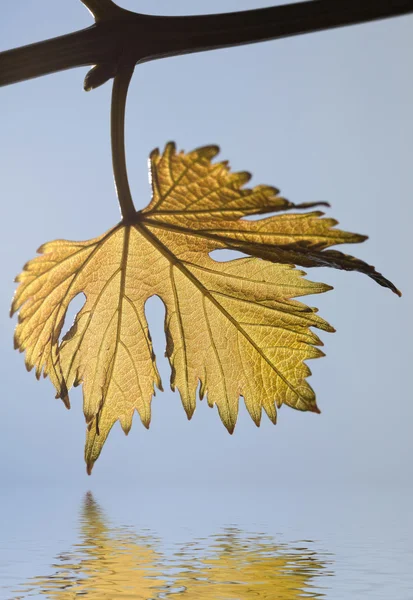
<point>240,567</point>
<point>111,563</point>
<point>107,563</point>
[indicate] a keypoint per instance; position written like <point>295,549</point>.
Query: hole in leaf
<point>155,316</point>
<point>262,216</point>
<point>226,255</point>
<point>74,307</point>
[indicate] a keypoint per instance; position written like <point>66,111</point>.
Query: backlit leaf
<point>233,328</point>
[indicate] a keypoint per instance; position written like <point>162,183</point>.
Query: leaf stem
<point>119,95</point>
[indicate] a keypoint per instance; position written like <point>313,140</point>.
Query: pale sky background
<point>326,116</point>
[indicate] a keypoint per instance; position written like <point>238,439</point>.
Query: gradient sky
<point>326,116</point>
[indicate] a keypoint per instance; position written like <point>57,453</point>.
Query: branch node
<point>103,10</point>
<point>98,75</point>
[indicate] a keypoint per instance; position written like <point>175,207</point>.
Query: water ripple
<point>111,562</point>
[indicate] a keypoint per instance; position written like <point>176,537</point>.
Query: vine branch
<point>119,33</point>
<point>118,108</point>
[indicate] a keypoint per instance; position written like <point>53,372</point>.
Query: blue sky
<point>326,116</point>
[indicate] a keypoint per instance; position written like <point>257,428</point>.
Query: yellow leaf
<point>233,328</point>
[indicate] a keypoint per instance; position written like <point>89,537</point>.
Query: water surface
<point>223,544</point>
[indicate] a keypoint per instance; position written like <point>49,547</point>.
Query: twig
<point>137,37</point>
<point>103,9</point>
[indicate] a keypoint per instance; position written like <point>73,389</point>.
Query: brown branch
<point>130,38</point>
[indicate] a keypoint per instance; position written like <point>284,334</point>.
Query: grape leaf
<point>233,328</point>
